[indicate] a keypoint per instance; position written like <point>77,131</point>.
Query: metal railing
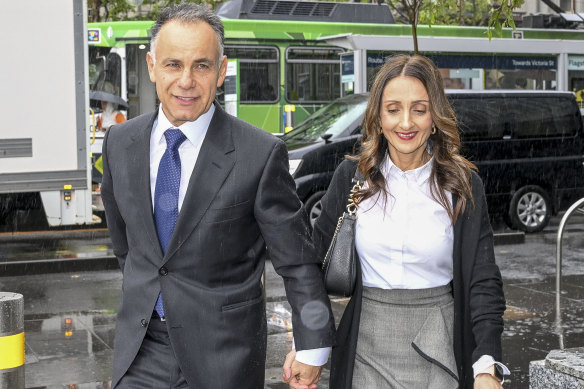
<point>577,207</point>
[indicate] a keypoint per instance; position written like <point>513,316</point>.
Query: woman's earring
<point>433,129</point>
<point>380,131</point>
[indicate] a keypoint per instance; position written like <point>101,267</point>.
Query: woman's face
<point>406,121</point>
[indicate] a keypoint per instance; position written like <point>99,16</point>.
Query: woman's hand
<point>486,381</point>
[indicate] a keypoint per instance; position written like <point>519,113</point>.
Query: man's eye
<point>173,65</point>
<point>202,66</point>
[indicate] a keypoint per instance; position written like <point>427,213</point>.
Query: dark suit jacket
<point>477,287</point>
<point>240,198</point>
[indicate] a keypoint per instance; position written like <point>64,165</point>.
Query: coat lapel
<point>139,166</point>
<point>215,161</point>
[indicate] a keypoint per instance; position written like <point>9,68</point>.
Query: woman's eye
<point>420,111</point>
<point>393,111</point>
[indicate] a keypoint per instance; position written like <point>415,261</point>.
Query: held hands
<point>298,375</point>
<point>486,381</point>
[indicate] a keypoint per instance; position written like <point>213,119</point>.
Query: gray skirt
<point>405,340</point>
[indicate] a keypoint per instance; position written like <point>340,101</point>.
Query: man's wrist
<point>314,357</point>
<point>486,364</point>
<point>495,372</point>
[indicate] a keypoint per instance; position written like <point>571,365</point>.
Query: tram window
<point>312,74</point>
<point>110,78</point>
<point>258,74</point>
<point>105,68</point>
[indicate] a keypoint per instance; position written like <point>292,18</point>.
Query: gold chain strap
<point>351,210</point>
<point>353,204</point>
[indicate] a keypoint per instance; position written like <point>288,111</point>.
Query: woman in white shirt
<point>427,309</point>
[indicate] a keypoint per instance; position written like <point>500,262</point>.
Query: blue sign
<point>515,62</point>
<point>348,67</point>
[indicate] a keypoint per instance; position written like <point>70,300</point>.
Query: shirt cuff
<point>313,357</point>
<point>484,364</point>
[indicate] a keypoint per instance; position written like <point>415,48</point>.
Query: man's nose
<point>186,80</point>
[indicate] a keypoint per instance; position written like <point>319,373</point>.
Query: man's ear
<point>222,71</point>
<point>150,62</point>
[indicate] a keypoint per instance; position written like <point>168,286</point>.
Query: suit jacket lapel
<point>139,166</point>
<point>215,161</point>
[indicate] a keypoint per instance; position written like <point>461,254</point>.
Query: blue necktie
<point>166,194</point>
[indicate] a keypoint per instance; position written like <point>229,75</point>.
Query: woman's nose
<point>405,121</point>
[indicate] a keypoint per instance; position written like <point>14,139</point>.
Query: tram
<point>289,56</point>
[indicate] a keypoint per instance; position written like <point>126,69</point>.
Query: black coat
<point>477,286</point>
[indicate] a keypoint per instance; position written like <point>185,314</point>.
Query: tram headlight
<point>294,165</point>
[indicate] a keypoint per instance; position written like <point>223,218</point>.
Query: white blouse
<point>406,243</point>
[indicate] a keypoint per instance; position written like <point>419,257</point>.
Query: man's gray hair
<point>188,13</point>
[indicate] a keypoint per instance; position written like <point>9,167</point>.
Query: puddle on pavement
<point>529,337</point>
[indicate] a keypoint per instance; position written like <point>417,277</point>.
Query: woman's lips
<point>406,135</point>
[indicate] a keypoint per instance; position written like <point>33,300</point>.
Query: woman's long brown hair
<point>450,171</point>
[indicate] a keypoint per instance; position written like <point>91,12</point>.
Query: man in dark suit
<point>193,196</point>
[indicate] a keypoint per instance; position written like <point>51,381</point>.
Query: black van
<point>527,145</point>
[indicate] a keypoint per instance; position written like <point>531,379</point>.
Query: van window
<point>514,117</point>
<point>479,118</point>
<point>542,117</point>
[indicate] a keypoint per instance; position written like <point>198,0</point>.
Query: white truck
<point>44,106</point>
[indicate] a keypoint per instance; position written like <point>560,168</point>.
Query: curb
<point>64,265</point>
<point>59,265</point>
<point>57,234</point>
<point>503,238</point>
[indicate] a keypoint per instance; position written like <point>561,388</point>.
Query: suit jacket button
<point>144,323</point>
<point>163,271</point>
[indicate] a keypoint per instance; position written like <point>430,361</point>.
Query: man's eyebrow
<point>204,60</point>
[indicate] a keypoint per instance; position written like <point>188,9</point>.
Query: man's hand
<point>486,381</point>
<point>298,375</point>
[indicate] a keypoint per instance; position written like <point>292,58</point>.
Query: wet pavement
<point>70,313</point>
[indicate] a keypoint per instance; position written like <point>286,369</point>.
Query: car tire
<point>313,206</point>
<point>530,209</point>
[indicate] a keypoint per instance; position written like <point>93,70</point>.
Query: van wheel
<point>530,209</point>
<point>313,206</point>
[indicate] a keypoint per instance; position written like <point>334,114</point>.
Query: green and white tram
<point>281,62</point>
<point>290,55</point>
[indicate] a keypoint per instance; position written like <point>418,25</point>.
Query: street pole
<point>11,341</point>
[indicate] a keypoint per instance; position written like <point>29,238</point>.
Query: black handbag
<point>340,261</point>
